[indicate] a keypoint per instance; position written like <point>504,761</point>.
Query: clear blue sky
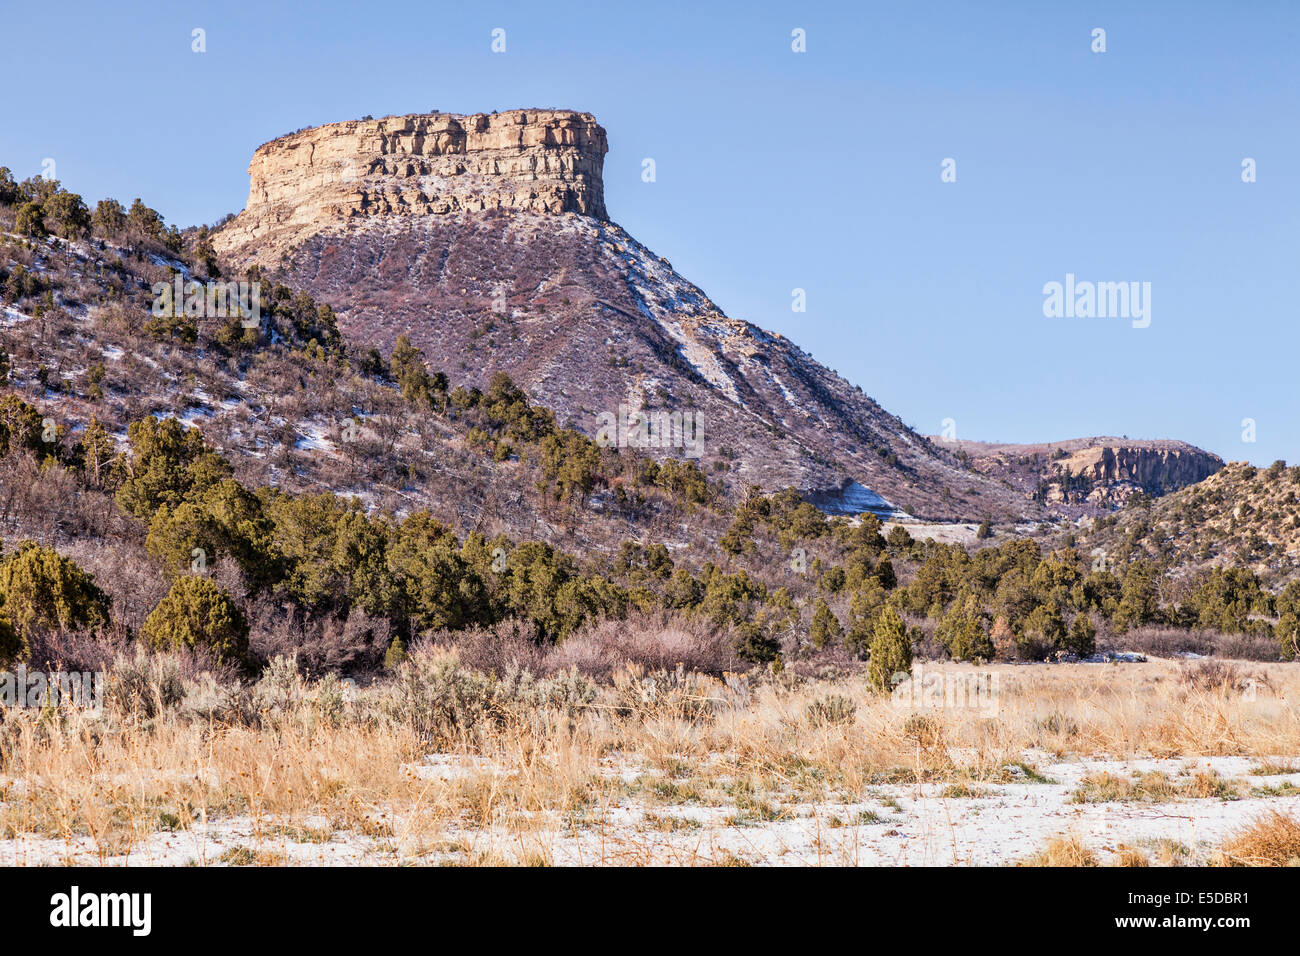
<point>818,170</point>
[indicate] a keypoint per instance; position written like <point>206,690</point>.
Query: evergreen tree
<point>396,654</point>
<point>962,631</point>
<point>1081,640</point>
<point>109,218</point>
<point>69,214</point>
<point>891,651</point>
<point>30,220</point>
<point>825,629</point>
<point>1139,601</point>
<point>198,615</point>
<point>43,589</point>
<point>12,645</point>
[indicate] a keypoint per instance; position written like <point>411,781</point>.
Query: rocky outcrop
<point>1155,468</point>
<point>1089,475</point>
<point>543,161</point>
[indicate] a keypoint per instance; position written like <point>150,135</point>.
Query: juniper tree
<point>198,615</point>
<point>825,629</point>
<point>891,650</point>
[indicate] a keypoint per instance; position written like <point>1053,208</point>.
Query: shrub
<point>675,694</point>
<point>831,709</point>
<point>395,655</point>
<point>144,685</point>
<point>12,645</point>
<point>1273,840</point>
<point>891,650</point>
<point>20,426</point>
<point>1287,630</point>
<point>1044,629</point>
<point>925,729</point>
<point>1248,647</point>
<point>30,220</point>
<point>440,700</point>
<point>41,589</point>
<point>509,645</point>
<point>754,645</point>
<point>198,615</point>
<point>653,641</point>
<point>354,644</point>
<point>280,687</point>
<point>1067,850</point>
<point>1082,637</point>
<point>1139,601</point>
<point>963,634</point>
<point>1214,676</point>
<point>167,463</point>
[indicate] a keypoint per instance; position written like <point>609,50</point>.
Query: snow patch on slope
<point>854,499</point>
<point>662,295</point>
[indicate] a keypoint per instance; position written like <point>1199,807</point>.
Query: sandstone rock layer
<point>1092,475</point>
<point>542,161</point>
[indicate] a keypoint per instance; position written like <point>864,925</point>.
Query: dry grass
<point>1153,787</point>
<point>1130,856</point>
<point>302,764</point>
<point>1272,840</point>
<point>1275,768</point>
<point>1069,850</point>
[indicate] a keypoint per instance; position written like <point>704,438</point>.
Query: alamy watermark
<point>73,909</point>
<point>1098,300</point>
<point>81,690</point>
<point>928,689</point>
<point>638,428</point>
<point>210,300</point>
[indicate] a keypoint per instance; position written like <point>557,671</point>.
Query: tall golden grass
<point>306,760</point>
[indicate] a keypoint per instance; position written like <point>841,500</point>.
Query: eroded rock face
<point>1155,469</point>
<point>542,161</point>
<point>1093,475</point>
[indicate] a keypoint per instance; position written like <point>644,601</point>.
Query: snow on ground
<point>202,844</point>
<point>665,297</point>
<point>944,533</point>
<point>699,355</point>
<point>168,263</point>
<point>789,396</point>
<point>891,825</point>
<point>854,499</point>
<point>313,437</point>
<point>918,825</point>
<point>191,417</point>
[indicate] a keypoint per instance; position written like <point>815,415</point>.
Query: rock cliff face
<point>1089,475</point>
<point>544,161</point>
<point>1156,468</point>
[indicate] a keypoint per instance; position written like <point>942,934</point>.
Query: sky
<point>820,170</point>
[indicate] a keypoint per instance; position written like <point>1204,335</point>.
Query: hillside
<point>289,405</point>
<point>485,239</point>
<point>337,502</point>
<point>1241,516</point>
